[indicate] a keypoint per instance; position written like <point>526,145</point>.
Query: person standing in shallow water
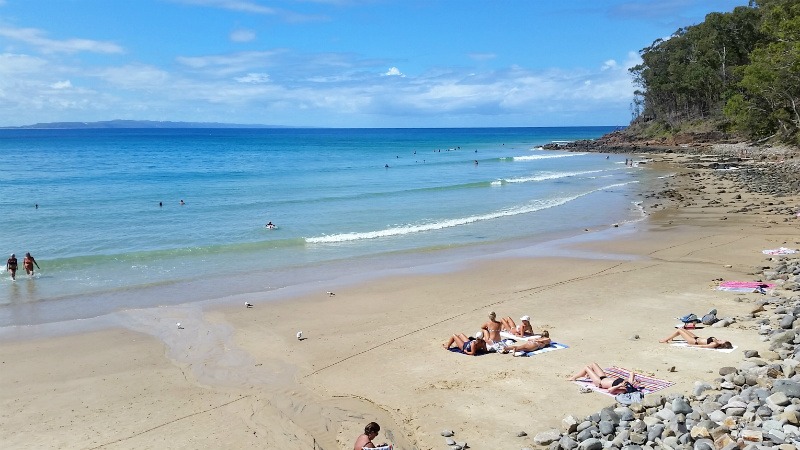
<point>11,266</point>
<point>28,263</point>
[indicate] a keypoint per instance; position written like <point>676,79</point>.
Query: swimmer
<point>270,225</point>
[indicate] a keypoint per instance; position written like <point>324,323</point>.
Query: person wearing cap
<point>28,263</point>
<point>11,266</point>
<point>523,329</point>
<point>472,346</point>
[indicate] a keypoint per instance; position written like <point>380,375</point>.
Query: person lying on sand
<point>696,341</point>
<point>523,329</point>
<point>611,383</point>
<point>530,345</point>
<point>471,346</point>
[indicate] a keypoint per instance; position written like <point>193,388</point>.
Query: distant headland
<point>108,124</point>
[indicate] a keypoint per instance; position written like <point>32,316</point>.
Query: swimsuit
<point>708,341</point>
<point>628,387</point>
<point>467,346</point>
<point>12,264</point>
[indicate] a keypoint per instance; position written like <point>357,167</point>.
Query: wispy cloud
<point>242,35</point>
<point>233,5</point>
<point>253,78</point>
<point>38,39</point>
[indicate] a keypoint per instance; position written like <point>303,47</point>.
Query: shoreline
<point>238,377</point>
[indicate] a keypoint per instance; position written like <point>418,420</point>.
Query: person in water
<point>28,263</point>
<point>11,266</point>
<point>270,225</point>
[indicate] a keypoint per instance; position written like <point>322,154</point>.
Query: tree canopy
<point>738,70</point>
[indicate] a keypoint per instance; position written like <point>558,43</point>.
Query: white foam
<point>548,176</point>
<point>449,223</point>
<point>536,157</point>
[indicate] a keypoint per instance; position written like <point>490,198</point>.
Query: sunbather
<point>471,346</point>
<point>696,341</point>
<point>491,329</point>
<point>529,345</point>
<point>523,329</point>
<point>611,383</point>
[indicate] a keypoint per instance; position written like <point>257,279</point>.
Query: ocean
<point>100,209</point>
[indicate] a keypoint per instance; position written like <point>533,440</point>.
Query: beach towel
<point>458,350</point>
<point>779,251</point>
<point>514,337</point>
<point>553,346</point>
<point>683,344</point>
<point>647,384</point>
<point>743,286</point>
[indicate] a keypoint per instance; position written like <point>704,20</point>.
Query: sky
<point>331,63</point>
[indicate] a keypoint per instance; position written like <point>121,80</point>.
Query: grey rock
<point>681,406</point>
<point>638,438</point>
<point>587,433</point>
<point>700,387</point>
<point>567,443</point>
<point>590,444</point>
<point>606,427</point>
<point>751,353</point>
<point>777,399</point>
<point>655,431</point>
<point>703,444</point>
<point>788,387</point>
<point>608,414</point>
<point>787,321</point>
<point>447,433</point>
<point>521,434</point>
<point>450,441</point>
<point>546,437</point>
<point>727,370</point>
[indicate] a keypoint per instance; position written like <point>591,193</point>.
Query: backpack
<point>689,318</point>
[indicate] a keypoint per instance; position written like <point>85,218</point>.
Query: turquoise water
<point>344,200</point>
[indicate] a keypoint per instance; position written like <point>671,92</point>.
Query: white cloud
<point>394,72</point>
<point>254,78</point>
<point>242,35</point>
<point>609,64</point>
<point>233,5</point>
<point>15,63</point>
<point>66,84</point>
<point>36,38</point>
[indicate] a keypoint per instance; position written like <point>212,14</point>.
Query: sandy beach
<point>238,377</point>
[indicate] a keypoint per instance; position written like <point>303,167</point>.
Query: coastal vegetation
<point>736,73</point>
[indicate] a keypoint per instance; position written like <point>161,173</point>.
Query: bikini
<point>628,387</point>
<point>467,346</point>
<point>708,341</point>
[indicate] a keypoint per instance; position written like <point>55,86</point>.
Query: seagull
<point>300,335</point>
<point>330,294</point>
<point>248,304</point>
<point>179,326</point>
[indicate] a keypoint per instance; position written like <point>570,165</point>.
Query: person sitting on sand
<point>695,341</point>
<point>523,329</point>
<point>365,440</point>
<point>470,346</point>
<point>529,345</point>
<point>612,384</point>
<point>491,332</point>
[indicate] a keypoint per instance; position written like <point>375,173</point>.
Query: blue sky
<point>331,63</point>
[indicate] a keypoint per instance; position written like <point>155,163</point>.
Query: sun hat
<point>479,335</point>
<point>526,318</point>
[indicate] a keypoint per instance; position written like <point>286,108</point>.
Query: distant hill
<point>137,124</point>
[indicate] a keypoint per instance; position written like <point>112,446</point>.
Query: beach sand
<point>238,377</point>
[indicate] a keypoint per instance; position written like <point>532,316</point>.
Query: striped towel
<point>647,384</point>
<point>779,251</point>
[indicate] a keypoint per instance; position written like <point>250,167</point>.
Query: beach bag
<point>710,318</point>
<point>629,398</point>
<point>689,318</point>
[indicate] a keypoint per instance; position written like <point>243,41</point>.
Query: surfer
<point>270,225</point>
<point>28,263</point>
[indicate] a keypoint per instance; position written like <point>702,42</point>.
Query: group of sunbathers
<point>489,339</point>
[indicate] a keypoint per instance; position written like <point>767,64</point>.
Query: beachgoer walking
<point>11,266</point>
<point>365,440</point>
<point>28,263</point>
